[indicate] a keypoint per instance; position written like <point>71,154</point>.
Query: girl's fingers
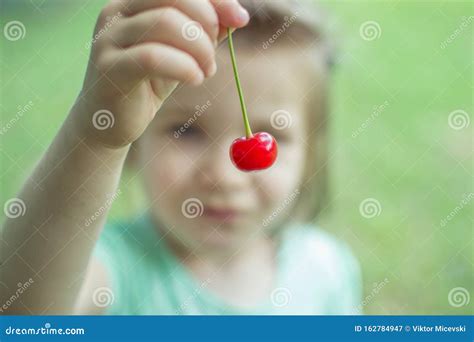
<point>200,11</point>
<point>171,27</point>
<point>152,60</point>
<point>231,13</point>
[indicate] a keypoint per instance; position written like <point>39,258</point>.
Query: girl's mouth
<point>221,214</point>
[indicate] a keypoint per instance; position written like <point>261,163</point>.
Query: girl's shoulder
<point>326,262</point>
<point>316,243</point>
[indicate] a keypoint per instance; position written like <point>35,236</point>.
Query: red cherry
<point>255,153</point>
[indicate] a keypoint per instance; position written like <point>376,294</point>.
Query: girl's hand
<point>141,50</point>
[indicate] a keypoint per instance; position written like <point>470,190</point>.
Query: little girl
<point>159,94</point>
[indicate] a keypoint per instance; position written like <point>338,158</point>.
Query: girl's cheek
<point>169,168</point>
<point>174,166</point>
<point>284,177</point>
<point>159,164</point>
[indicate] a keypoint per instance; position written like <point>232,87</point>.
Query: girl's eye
<point>185,131</point>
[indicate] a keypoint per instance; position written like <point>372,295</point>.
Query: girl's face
<point>194,189</point>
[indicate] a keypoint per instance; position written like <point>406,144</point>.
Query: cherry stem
<point>248,131</point>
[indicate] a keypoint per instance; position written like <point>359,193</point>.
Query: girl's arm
<point>52,243</point>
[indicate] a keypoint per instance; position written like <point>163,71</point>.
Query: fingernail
<point>243,15</point>
<point>198,79</point>
<point>212,70</point>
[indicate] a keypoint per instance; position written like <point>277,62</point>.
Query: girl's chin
<point>222,239</point>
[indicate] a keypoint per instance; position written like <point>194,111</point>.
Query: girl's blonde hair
<point>300,23</point>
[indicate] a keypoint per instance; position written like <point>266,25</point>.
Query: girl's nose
<point>217,171</point>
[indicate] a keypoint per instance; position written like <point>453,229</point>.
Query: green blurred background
<point>410,156</point>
